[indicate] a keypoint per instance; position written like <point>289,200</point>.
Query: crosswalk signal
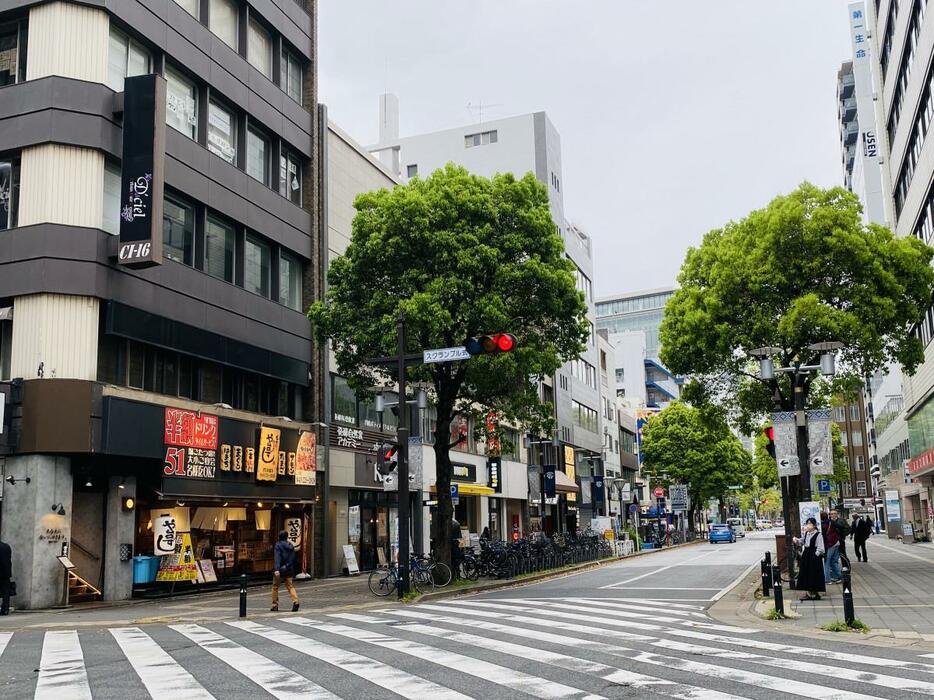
<point>770,440</point>
<point>387,460</point>
<point>491,344</point>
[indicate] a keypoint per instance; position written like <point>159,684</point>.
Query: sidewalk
<point>892,593</point>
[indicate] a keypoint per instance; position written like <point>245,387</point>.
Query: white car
<point>737,525</point>
<point>764,524</point>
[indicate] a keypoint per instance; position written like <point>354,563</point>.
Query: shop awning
<point>563,484</point>
<point>471,489</point>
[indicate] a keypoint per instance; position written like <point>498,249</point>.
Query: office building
<point>158,249</point>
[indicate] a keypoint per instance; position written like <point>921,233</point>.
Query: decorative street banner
<point>306,455</point>
<point>181,565</point>
<point>548,470</point>
<point>535,485</point>
<point>415,464</point>
<point>293,527</point>
<point>786,443</point>
<point>267,466</point>
<point>143,164</point>
<point>598,490</point>
<point>820,446</point>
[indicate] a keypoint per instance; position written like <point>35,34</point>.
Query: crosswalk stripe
<point>160,673</point>
<point>270,676</point>
<point>393,679</point>
<point>659,603</point>
<point>516,680</point>
<point>608,673</point>
<point>5,638</point>
<point>354,617</point>
<point>626,605</point>
<point>802,665</point>
<point>61,668</point>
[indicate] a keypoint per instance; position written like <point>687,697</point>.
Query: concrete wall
<point>33,531</point>
<point>68,40</point>
<point>118,575</point>
<point>87,530</point>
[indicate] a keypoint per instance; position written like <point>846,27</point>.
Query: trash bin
<point>144,568</point>
<point>648,545</point>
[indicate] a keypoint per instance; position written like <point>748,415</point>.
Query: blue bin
<point>647,545</point>
<point>144,569</point>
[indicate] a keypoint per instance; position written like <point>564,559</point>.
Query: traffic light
<point>491,344</point>
<point>770,440</point>
<point>387,459</point>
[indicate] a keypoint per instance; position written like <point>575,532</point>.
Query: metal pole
<point>242,595</point>
<point>403,468</point>
<point>789,537</point>
<point>803,457</point>
<point>777,591</point>
<point>766,569</point>
<point>849,614</point>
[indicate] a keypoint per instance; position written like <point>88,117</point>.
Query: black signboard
<point>142,179</point>
<point>464,472</point>
<point>494,466</point>
<point>598,490</point>
<point>549,472</point>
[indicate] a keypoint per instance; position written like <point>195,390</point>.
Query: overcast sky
<point>675,115</point>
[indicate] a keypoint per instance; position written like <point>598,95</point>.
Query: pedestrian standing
<point>831,542</point>
<point>285,564</point>
<point>861,533</point>
<point>810,570</point>
<point>843,530</point>
<point>6,576</point>
<point>878,526</point>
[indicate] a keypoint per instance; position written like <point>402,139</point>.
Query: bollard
<point>766,578</point>
<point>849,613</point>
<point>777,591</point>
<point>242,595</point>
<point>768,559</point>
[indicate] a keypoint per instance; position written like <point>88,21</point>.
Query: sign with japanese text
<point>164,534</point>
<point>293,528</point>
<point>267,464</point>
<point>306,456</point>
<point>180,565</point>
<point>678,493</point>
<point>445,355</point>
<point>142,179</point>
<point>494,467</point>
<point>191,444</point>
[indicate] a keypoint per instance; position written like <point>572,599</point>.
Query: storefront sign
<point>267,467</point>
<point>164,534</point>
<point>207,573</point>
<point>549,471</point>
<point>493,467</point>
<point>893,507</point>
<point>306,455</point>
<point>353,523</point>
<point>293,528</point>
<point>191,444</point>
<point>181,565</point>
<point>142,180</point>
<point>921,464</point>
<point>350,558</point>
<point>464,472</point>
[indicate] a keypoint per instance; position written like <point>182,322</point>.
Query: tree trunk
<point>443,486</point>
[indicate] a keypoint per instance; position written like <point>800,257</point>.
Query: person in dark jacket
<point>811,570</point>
<point>6,575</point>
<point>285,564</point>
<point>861,533</point>
<point>831,541</point>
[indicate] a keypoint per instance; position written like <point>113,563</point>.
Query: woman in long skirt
<point>811,569</point>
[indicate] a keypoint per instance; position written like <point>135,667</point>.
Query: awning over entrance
<point>470,489</point>
<point>563,484</point>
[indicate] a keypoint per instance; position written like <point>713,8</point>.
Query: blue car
<point>721,533</point>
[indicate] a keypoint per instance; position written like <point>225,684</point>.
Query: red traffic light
<point>770,433</point>
<point>491,344</point>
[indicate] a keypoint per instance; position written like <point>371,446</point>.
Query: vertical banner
<point>267,467</point>
<point>293,527</point>
<point>820,446</point>
<point>786,443</point>
<point>548,470</point>
<point>493,469</point>
<point>142,179</point>
<point>893,507</point>
<point>306,459</point>
<point>415,464</point>
<point>598,490</point>
<point>164,534</point>
<point>353,524</point>
<point>535,485</point>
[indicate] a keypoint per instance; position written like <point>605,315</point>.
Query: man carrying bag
<point>285,563</point>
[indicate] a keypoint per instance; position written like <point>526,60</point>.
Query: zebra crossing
<point>558,648</point>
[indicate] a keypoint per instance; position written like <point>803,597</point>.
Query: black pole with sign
<point>403,469</point>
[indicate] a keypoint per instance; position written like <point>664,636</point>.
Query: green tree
<point>803,270</point>
<point>764,467</point>
<point>685,445</point>
<point>457,255</point>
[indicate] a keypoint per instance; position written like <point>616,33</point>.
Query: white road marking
<point>388,677</point>
<point>5,638</point>
<point>160,673</point>
<point>516,680</point>
<point>619,584</point>
<point>353,617</point>
<point>61,670</point>
<point>624,604</point>
<point>270,676</point>
<point>738,580</point>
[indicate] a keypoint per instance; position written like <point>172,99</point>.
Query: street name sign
<point>445,355</point>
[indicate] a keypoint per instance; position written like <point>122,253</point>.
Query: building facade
<point>854,438</point>
<point>168,400</point>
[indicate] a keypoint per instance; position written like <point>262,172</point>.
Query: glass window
<point>193,7</point>
<point>411,170</point>
<point>291,75</point>
<point>6,348</point>
<point>110,219</point>
<point>854,412</point>
<point>290,178</point>
<point>290,282</point>
<point>843,438</point>
<point>222,132</point>
<point>257,274</point>
<point>211,382</point>
<point>12,54</point>
<point>178,230</point>
<point>126,58</point>
<point>857,438</point>
<point>136,365</point>
<point>219,246</point>
<point>257,156</point>
<point>181,103</point>
<point>259,48</point>
<point>343,401</point>
<point>9,193</point>
<point>222,20</point>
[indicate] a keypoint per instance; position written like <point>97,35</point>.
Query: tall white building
<point>521,144</point>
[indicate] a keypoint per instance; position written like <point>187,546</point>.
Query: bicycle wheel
<point>440,573</point>
<point>382,582</point>
<point>421,580</point>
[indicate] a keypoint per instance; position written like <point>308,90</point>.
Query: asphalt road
<point>631,630</point>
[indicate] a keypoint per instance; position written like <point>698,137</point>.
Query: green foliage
<point>773,614</point>
<point>841,470</point>
<point>458,255</point>
<point>763,464</point>
<point>696,448</point>
<point>803,270</point>
<point>840,626</point>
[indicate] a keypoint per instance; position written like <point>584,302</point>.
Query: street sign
<point>659,492</point>
<point>679,497</point>
<point>633,508</point>
<point>455,494</point>
<point>823,486</point>
<point>445,355</point>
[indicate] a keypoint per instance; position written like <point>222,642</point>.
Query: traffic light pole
<point>403,436</point>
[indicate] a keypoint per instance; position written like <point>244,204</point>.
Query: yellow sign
<point>267,463</point>
<point>569,456</point>
<point>571,472</point>
<point>181,565</point>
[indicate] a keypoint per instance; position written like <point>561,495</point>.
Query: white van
<point>764,524</point>
<point>737,526</point>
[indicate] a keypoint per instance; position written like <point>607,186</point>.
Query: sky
<point>675,116</point>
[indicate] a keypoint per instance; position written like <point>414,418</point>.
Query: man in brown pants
<point>285,565</point>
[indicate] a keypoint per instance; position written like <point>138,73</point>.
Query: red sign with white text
<point>921,463</point>
<point>189,429</point>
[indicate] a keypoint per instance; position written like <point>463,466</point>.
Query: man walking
<point>285,563</point>
<point>832,573</point>
<point>6,575</point>
<point>861,533</point>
